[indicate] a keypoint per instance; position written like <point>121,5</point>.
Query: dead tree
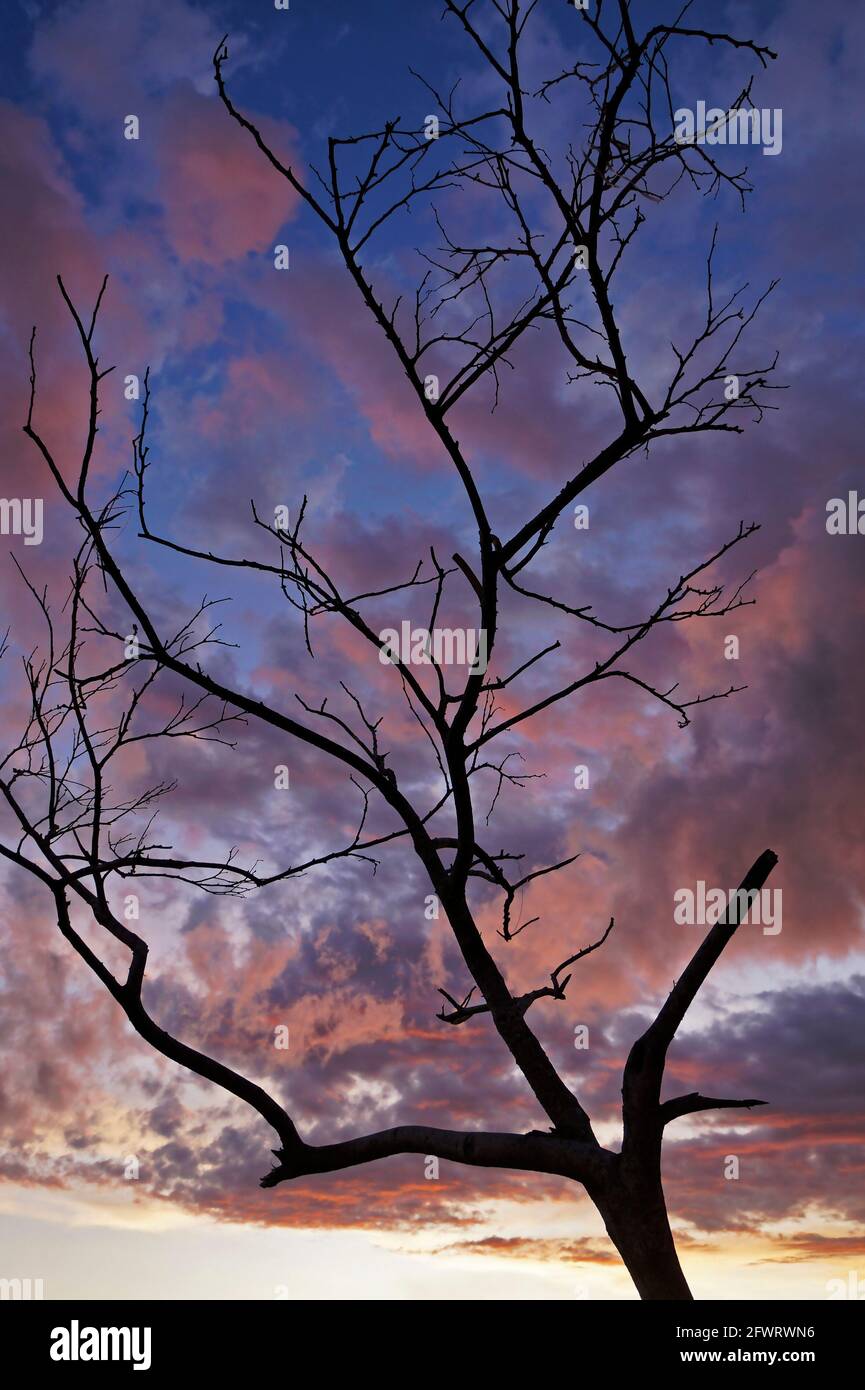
<point>569,223</point>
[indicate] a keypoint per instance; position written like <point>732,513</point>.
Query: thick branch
<point>693,1102</point>
<point>644,1070</point>
<point>535,1152</point>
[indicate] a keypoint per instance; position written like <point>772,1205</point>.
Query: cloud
<point>222,201</point>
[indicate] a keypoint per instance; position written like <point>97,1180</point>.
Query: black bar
<point>227,1339</point>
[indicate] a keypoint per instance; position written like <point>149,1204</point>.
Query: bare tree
<point>562,229</point>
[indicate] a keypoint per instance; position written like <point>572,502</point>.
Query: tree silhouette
<point>553,232</point>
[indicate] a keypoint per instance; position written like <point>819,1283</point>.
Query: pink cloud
<point>221,199</point>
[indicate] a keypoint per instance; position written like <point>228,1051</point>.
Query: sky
<point>273,384</point>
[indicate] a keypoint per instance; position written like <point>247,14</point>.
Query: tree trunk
<point>635,1215</point>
